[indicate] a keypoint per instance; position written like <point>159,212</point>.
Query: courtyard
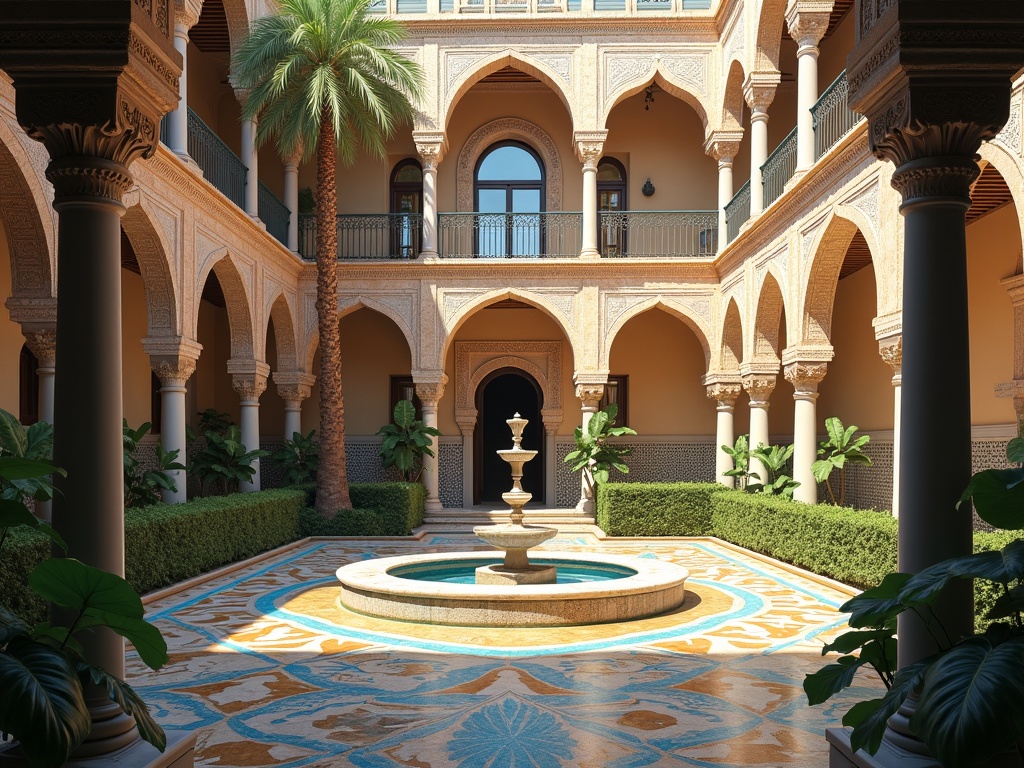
<point>268,670</point>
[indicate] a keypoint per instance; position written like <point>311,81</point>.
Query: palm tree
<point>324,79</point>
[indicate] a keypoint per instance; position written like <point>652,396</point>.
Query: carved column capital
<point>173,371</point>
<point>723,145</point>
<point>248,378</point>
<point>42,342</point>
<point>891,350</point>
<point>430,390</point>
<point>173,358</point>
<point>759,92</point>
<point>805,376</point>
<point>431,147</point>
<point>590,394</point>
<point>807,21</point>
<point>293,386</point>
<point>589,146</point>
<point>759,388</point>
<point>467,423</point>
<point>725,394</point>
<point>186,15</point>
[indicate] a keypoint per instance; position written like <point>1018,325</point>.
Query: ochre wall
<point>833,50</point>
<point>271,404</point>
<point>11,340</point>
<point>664,362</point>
<point>211,382</point>
<point>137,376</point>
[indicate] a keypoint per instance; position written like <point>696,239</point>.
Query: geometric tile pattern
<point>271,673</point>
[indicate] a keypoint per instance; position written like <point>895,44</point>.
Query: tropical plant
<point>969,704</point>
<point>594,454</point>
<point>223,462</point>
<point>34,443</point>
<point>740,455</point>
<point>774,459</point>
<point>839,450</point>
<point>406,441</point>
<point>142,486</point>
<point>298,458</point>
<point>211,420</point>
<point>324,77</point>
<point>43,669</point>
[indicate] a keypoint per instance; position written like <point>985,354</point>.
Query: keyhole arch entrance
<point>499,396</point>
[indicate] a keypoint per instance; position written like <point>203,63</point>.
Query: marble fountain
<point>474,589</point>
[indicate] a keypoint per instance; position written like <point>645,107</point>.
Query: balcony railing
<point>508,235</point>
<point>737,211</point>
<point>779,168</point>
<point>220,165</point>
<point>273,213</point>
<point>367,236</point>
<point>658,233</point>
<point>628,7</point>
<point>832,116</point>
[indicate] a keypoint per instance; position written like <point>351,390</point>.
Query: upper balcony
<point>537,7</point>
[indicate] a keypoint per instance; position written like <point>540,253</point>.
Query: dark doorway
<point>499,397</point>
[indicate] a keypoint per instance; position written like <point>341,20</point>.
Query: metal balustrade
<point>508,235</point>
<point>832,116</point>
<point>737,211</point>
<point>273,213</point>
<point>367,236</point>
<point>779,168</point>
<point>626,7</point>
<point>220,165</point>
<point>658,233</point>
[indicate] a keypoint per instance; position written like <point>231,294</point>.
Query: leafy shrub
<point>985,592</point>
<point>223,462</point>
<point>298,459</point>
<point>852,546</point>
<point>23,550</point>
<point>774,459</point>
<point>396,509</point>
<point>35,443</point>
<point>655,509</point>
<point>352,522</point>
<point>406,441</point>
<point>142,486</point>
<point>839,450</point>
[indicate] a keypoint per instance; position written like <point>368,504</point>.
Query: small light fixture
<point>648,97</point>
<point>647,189</point>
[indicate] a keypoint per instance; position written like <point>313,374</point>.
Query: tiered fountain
<point>471,589</point>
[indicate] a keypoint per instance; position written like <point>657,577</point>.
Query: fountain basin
<point>638,588</point>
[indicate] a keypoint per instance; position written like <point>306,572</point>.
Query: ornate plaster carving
<point>805,376</point>
<point>430,391</point>
<point>43,344</point>
<point>293,386</point>
<point>474,360</point>
<point>759,388</point>
<point>725,393</point>
<point>891,350</point>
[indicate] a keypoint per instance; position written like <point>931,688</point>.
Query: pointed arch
<point>732,98</point>
<point>286,341</point>
<point>237,304</point>
<point>350,304</point>
<point>668,83</point>
<point>770,313</point>
<point>237,14</point>
<point>491,64</point>
<point>768,35</point>
<point>731,352</point>
<point>996,155</point>
<point>676,309</point>
<point>154,256</point>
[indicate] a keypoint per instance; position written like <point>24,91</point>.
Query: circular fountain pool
<point>438,589</point>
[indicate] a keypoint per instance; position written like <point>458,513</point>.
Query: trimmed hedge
<point>655,509</point>
<point>985,592</point>
<point>22,551</point>
<point>381,509</point>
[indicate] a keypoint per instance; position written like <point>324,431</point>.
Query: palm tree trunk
<point>332,492</point>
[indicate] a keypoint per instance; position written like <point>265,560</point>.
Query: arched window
<point>611,203</point>
<point>508,187</point>
<point>406,219</point>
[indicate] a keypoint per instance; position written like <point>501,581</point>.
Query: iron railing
<point>273,213</point>
<point>832,116</point>
<point>779,168</point>
<point>737,211</point>
<point>367,236</point>
<point>658,233</point>
<point>220,165</point>
<point>508,235</point>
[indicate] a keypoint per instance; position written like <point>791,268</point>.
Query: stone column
<point>174,361</point>
<point>93,129</point>
<point>467,426</point>
<point>431,146</point>
<point>723,146</point>
<point>589,146</point>
<point>291,199</point>
<point>758,91</point>
<point>42,342</point>
<point>759,388</point>
<point>805,377</point>
<point>724,392</point>
<point>891,350</point>
<point>250,159</point>
<point>807,21</point>
<point>589,391</point>
<point>293,387</point>
<point>186,14</point>
<point>249,380</point>
<point>430,392</point>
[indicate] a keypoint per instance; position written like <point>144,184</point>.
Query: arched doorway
<point>501,395</point>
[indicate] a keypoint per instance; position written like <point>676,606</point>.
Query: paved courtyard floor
<point>271,672</point>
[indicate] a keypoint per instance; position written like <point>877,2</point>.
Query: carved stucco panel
<point>1010,136</point>
<point>560,63</point>
<point>691,69</point>
<point>457,63</point>
<point>867,203</point>
<point>475,359</point>
<point>454,300</point>
<point>564,301</point>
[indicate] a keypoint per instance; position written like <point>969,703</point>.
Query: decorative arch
<point>768,35</point>
<point>667,82</point>
<point>996,155</point>
<point>29,222</point>
<point>679,311</point>
<point>505,129</point>
<point>771,311</point>
<point>238,305</point>
<point>284,333</point>
<point>731,353</point>
<point>237,14</point>
<point>554,80</point>
<point>732,98</point>
<point>350,304</point>
<point>154,256</point>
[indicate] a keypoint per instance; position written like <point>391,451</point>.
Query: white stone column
<point>723,146</point>
<point>173,361</point>
<point>42,342</point>
<point>430,393</point>
<point>550,466</point>
<point>891,350</point>
<point>250,160</point>
<point>291,200</point>
<point>589,393</point>
<point>430,146</point>
<point>186,14</point>
<point>467,426</point>
<point>805,377</point>
<point>293,387</point>
<point>807,21</point>
<point>249,380</point>
<point>589,146</point>
<point>724,392</point>
<point>758,92</point>
<point>759,388</point>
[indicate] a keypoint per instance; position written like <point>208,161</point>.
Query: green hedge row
<point>381,509</point>
<point>655,509</point>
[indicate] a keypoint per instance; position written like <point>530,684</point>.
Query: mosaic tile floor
<point>272,673</point>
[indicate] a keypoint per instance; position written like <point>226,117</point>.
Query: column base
<point>428,254</point>
<point>139,754</point>
<point>588,253</point>
<point>433,505</point>
<point>841,755</point>
<point>586,506</point>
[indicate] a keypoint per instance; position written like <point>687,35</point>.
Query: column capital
<point>589,146</point>
<point>466,422</point>
<point>173,358</point>
<point>759,91</point>
<point>759,387</point>
<point>43,344</point>
<point>293,386</point>
<point>430,388</point>
<point>590,387</point>
<point>724,392</point>
<point>248,378</point>
<point>807,21</point>
<point>186,15</point>
<point>805,376</point>
<point>723,145</point>
<point>431,146</point>
<point>32,312</point>
<point>891,350</point>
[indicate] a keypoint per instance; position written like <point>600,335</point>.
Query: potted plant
<point>970,705</point>
<point>406,441</point>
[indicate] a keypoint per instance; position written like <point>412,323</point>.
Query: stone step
<point>467,518</point>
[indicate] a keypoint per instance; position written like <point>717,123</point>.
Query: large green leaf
<point>14,513</point>
<point>104,597</point>
<point>876,606</point>
<point>39,441</point>
<point>17,468</point>
<point>11,626</point>
<point>41,705</point>
<point>1015,451</point>
<point>124,696</point>
<point>405,413</point>
<point>998,496</point>
<point>12,435</point>
<point>971,706</point>
<point>868,718</point>
<point>822,685</point>
<point>1003,566</point>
